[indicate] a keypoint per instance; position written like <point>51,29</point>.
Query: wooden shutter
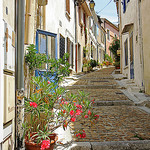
<point>68,6</point>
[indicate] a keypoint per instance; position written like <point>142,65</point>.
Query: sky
<point>110,12</point>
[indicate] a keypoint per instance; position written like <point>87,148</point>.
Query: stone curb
<point>119,145</point>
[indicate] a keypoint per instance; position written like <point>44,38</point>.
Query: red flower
<point>93,101</point>
<point>31,103</point>
<point>89,112</point>
<point>83,135</point>
<point>64,111</point>
<point>45,144</point>
<point>86,116</point>
<point>73,119</point>
<point>83,130</point>
<point>48,82</point>
<point>62,102</point>
<point>78,112</point>
<point>66,103</point>
<point>34,105</point>
<point>71,112</point>
<point>96,117</point>
<point>79,106</point>
<point>74,104</point>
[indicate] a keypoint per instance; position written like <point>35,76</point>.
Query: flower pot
<point>30,145</point>
<point>85,69</point>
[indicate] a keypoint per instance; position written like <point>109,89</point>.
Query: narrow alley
<point>120,118</point>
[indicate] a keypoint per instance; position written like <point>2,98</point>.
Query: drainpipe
<point>76,48</point>
<point>19,72</point>
<point>105,40</point>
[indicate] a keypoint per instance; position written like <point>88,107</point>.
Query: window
<point>68,6</point>
<point>62,47</point>
<point>97,30</point>
<point>89,22</point>
<point>91,50</point>
<point>126,52</point>
<point>124,6</point>
<point>108,35</point>
<point>46,43</point>
<point>102,37</point>
<point>68,48</point>
<point>71,54</point>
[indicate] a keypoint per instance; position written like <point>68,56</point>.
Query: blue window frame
<point>124,6</point>
<point>46,43</point>
<point>43,41</point>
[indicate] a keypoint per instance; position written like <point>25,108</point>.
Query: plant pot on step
<point>31,145</point>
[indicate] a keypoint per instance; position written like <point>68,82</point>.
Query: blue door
<point>46,43</point>
<point>131,57</point>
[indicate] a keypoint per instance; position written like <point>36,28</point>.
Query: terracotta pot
<point>30,145</point>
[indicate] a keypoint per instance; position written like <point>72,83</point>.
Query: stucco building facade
<point>130,26</point>
<point>111,31</point>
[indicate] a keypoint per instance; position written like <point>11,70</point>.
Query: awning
<point>127,28</point>
<point>86,9</point>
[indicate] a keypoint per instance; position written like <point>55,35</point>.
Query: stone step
<point>92,87</point>
<point>114,103</point>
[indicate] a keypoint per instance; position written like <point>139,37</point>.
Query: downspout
<point>120,29</point>
<point>19,72</point>
<point>105,40</point>
<point>75,15</point>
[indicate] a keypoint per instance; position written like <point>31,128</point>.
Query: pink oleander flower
<point>83,135</point>
<point>78,112</point>
<point>62,102</point>
<point>34,105</point>
<point>78,135</point>
<point>86,116</point>
<point>89,112</point>
<point>71,112</point>
<point>93,101</point>
<point>79,106</point>
<point>66,103</point>
<point>31,103</point>
<point>73,119</point>
<point>48,82</point>
<point>74,104</point>
<point>45,144</point>
<point>96,117</point>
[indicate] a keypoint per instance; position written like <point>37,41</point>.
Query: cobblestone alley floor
<point>120,119</point>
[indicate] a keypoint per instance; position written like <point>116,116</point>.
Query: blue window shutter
<point>124,6</point>
<point>128,1</point>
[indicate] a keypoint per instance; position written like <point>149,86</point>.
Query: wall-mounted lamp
<point>92,4</point>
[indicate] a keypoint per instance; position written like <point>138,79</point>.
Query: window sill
<point>68,16</point>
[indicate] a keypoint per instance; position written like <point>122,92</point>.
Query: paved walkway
<point>122,111</point>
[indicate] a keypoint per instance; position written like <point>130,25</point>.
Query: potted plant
<point>117,65</point>
<point>50,107</point>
